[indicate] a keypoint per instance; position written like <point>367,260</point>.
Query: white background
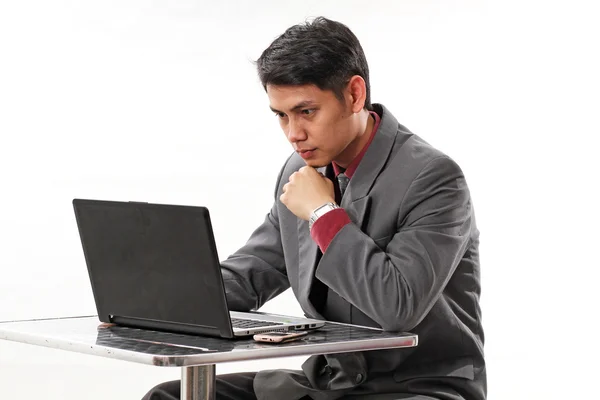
<point>159,101</point>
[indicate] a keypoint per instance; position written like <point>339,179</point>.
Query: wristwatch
<point>320,211</point>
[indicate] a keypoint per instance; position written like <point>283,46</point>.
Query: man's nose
<point>295,132</point>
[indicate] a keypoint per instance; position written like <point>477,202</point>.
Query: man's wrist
<point>320,211</point>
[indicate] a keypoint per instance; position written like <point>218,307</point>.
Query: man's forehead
<point>290,97</point>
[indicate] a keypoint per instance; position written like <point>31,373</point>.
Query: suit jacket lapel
<point>355,200</point>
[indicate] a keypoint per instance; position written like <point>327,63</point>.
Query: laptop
<point>155,266</point>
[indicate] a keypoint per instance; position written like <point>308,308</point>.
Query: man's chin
<point>316,163</point>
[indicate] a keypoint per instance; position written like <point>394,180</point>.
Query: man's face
<point>315,121</point>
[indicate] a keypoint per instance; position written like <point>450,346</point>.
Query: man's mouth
<point>306,153</point>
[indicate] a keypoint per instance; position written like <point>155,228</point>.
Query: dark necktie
<point>343,182</point>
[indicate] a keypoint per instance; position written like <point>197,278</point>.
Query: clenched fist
<point>306,190</point>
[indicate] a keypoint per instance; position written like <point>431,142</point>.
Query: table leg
<point>198,383</point>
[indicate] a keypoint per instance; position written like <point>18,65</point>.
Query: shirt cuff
<point>327,226</point>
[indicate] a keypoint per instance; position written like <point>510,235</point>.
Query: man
<point>370,225</point>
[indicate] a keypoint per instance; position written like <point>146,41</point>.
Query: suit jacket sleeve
<point>396,286</point>
<point>256,273</point>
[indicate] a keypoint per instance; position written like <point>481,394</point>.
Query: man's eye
<point>280,115</point>
<point>307,112</point>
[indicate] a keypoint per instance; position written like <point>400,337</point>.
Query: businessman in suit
<point>370,225</point>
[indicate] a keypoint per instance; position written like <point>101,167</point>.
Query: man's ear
<point>357,93</point>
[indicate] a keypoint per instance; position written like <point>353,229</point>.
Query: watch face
<point>325,208</point>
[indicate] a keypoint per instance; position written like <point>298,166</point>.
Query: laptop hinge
<point>167,326</point>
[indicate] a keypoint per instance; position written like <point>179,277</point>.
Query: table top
<point>88,335</point>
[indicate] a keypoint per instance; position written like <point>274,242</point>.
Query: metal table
<point>196,355</point>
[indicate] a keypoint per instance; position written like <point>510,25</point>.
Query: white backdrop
<point>159,101</point>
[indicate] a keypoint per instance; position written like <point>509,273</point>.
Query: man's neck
<point>354,148</point>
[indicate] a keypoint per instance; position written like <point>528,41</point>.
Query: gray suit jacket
<point>409,261</point>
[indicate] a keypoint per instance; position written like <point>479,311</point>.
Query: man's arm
<point>398,285</point>
<point>256,273</point>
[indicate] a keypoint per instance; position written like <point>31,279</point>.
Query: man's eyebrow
<point>302,104</point>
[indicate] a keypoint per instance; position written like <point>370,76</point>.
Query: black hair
<point>323,52</point>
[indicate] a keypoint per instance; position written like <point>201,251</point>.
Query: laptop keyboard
<point>251,323</point>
